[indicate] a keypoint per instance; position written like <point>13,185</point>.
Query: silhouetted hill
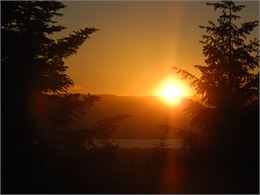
<point>147,112</point>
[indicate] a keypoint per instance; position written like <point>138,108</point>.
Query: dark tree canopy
<point>39,130</point>
<point>35,88</point>
<point>230,77</point>
<point>32,59</point>
<point>226,109</point>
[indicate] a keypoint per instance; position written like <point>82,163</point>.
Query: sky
<point>137,43</point>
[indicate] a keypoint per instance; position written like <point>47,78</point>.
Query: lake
<point>146,143</point>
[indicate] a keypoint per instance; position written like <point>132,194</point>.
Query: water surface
<point>146,143</point>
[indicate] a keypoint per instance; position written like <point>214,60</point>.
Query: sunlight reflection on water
<point>146,143</point>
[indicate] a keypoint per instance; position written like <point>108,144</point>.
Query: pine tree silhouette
<point>34,86</point>
<point>228,106</point>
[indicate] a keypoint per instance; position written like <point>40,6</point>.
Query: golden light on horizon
<point>172,91</point>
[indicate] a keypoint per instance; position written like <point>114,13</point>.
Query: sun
<point>171,94</point>
<point>171,91</point>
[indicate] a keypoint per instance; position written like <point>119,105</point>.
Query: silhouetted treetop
<point>226,109</point>
<point>230,76</point>
<point>19,16</point>
<point>35,80</point>
<point>30,53</point>
<point>226,5</point>
<point>227,92</point>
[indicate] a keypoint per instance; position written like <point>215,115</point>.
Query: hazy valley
<point>146,113</point>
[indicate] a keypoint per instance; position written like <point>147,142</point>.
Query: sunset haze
<point>138,43</point>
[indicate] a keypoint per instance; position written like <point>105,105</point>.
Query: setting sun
<point>171,91</point>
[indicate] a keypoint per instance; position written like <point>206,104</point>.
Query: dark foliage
<point>30,55</point>
<point>43,151</point>
<point>34,87</point>
<point>226,147</point>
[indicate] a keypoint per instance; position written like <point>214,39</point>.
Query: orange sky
<point>137,43</point>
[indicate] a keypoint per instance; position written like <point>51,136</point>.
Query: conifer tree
<point>229,79</point>
<point>33,61</point>
<point>35,89</point>
<point>226,108</point>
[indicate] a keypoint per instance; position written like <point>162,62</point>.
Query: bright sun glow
<point>172,91</point>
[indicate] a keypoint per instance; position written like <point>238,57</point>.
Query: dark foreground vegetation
<point>43,152</point>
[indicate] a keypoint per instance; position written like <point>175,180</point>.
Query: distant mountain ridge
<point>147,112</point>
